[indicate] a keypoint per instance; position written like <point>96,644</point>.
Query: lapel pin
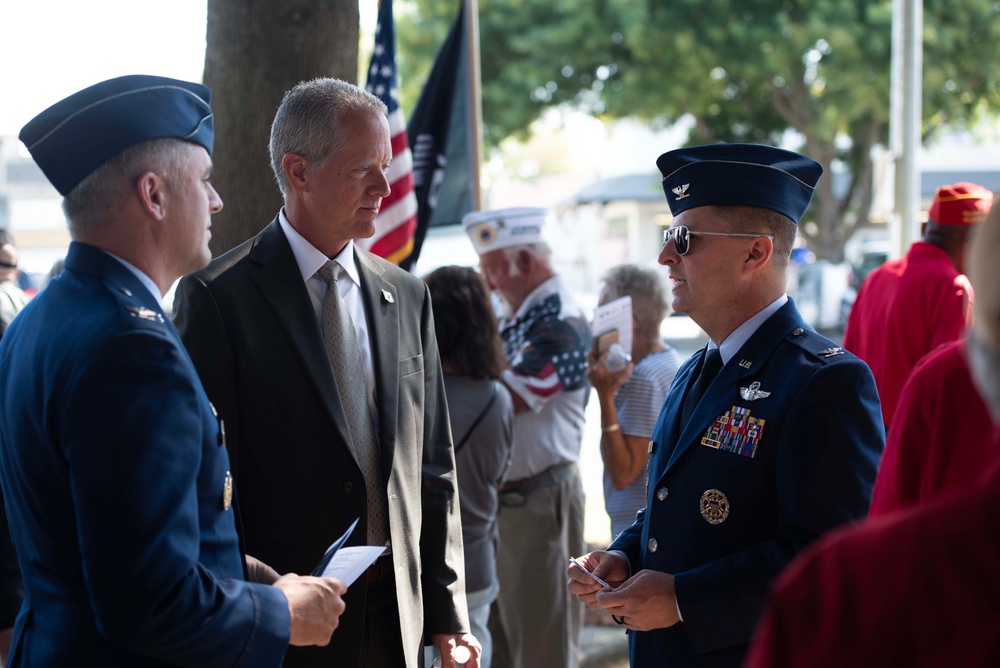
<point>746,364</point>
<point>386,295</point>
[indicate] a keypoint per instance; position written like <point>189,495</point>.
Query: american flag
<point>397,220</point>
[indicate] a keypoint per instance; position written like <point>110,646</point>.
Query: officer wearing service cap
<point>911,305</point>
<point>770,435</point>
<point>546,340</point>
<point>112,462</point>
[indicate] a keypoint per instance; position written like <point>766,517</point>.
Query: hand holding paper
<point>346,563</point>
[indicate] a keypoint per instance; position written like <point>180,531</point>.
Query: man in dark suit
<point>770,435</point>
<point>117,488</point>
<point>315,447</point>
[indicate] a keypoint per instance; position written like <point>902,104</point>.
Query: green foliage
<point>746,70</point>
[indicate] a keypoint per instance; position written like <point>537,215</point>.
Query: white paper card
<point>615,315</point>
<point>350,562</point>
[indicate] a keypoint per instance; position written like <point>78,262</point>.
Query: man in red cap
<point>909,306</point>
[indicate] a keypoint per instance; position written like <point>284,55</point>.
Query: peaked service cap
<point>77,135</point>
<point>741,175</point>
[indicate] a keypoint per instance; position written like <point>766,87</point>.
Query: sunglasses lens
<point>681,239</point>
<point>679,235</point>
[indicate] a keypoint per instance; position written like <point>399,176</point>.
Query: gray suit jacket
<point>255,340</point>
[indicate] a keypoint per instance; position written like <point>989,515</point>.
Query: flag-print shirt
<point>546,345</point>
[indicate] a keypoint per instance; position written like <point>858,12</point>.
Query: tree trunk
<point>256,50</point>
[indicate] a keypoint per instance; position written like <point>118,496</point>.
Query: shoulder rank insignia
<point>681,191</point>
<point>144,313</point>
<point>830,352</point>
<point>753,393</point>
<point>735,431</point>
<point>714,506</point>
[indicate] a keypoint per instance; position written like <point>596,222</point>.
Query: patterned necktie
<point>349,370</point>
<point>709,370</point>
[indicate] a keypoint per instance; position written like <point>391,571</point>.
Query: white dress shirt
<point>310,260</point>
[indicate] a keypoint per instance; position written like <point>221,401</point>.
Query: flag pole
<point>475,103</point>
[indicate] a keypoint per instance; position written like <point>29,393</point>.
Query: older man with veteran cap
<point>909,306</point>
<point>918,587</point>
<point>770,435</point>
<point>546,339</point>
<point>112,462</point>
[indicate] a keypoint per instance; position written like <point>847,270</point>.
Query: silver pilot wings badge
<point>753,393</point>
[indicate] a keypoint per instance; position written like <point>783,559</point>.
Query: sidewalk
<point>603,647</point>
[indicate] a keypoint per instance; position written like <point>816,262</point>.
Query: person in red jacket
<point>909,306</point>
<point>918,587</point>
<point>936,446</point>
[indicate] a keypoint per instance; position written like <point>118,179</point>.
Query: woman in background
<point>482,424</point>
<point>631,399</point>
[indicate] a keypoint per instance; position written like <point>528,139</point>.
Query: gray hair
<point>308,121</point>
<point>99,195</point>
<point>648,290</point>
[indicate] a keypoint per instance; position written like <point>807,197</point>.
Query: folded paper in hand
<point>346,563</point>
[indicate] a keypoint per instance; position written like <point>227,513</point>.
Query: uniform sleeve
<point>441,551</point>
<point>552,359</point>
<point>826,460</point>
<point>133,437</point>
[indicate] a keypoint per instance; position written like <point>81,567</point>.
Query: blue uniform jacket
<point>114,475</point>
<point>758,473</point>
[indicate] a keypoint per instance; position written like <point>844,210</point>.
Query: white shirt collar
<point>310,259</point>
<point>149,283</point>
<point>742,334</point>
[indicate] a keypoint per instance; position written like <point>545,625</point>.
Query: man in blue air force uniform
<point>770,435</point>
<point>112,462</point>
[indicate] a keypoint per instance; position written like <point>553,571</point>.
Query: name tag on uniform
<point>735,431</point>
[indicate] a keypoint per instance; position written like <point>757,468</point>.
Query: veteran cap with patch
<point>962,203</point>
<point>503,228</point>
<point>77,135</point>
<point>741,175</point>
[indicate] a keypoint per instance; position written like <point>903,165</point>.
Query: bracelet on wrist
<point>608,428</point>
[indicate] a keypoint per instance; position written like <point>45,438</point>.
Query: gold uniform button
<point>652,545</point>
<point>662,493</point>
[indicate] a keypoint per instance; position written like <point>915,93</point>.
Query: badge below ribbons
<point>735,431</point>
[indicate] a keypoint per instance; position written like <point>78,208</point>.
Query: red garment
<point>915,588</point>
<point>939,442</point>
<point>905,309</point>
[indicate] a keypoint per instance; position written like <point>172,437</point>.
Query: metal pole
<point>475,104</point>
<point>905,120</point>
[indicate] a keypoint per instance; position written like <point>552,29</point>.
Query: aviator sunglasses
<point>681,236</point>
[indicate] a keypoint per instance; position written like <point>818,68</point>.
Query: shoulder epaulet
<point>132,310</point>
<point>816,344</point>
